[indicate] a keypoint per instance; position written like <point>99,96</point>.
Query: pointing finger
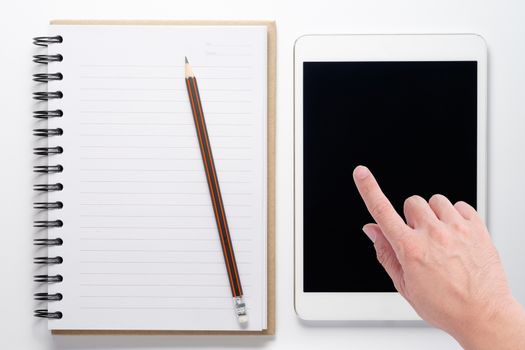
<point>391,224</point>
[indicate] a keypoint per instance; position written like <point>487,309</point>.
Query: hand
<point>442,261</point>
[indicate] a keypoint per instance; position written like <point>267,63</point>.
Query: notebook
<point>132,244</point>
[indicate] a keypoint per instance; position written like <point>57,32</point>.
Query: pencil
<point>215,194</point>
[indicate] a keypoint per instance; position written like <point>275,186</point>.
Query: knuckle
<point>367,188</point>
<point>435,230</point>
<point>380,209</point>
<point>460,227</point>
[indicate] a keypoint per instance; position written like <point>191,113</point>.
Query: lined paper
<point>141,248</point>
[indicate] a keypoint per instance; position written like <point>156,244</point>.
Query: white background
<point>500,22</point>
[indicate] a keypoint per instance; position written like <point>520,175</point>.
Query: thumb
<point>386,256</point>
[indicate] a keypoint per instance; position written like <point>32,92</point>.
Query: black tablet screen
<point>414,124</point>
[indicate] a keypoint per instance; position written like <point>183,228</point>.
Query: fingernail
<point>361,172</point>
<point>370,233</point>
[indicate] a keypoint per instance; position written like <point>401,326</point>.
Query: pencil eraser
<point>243,319</point>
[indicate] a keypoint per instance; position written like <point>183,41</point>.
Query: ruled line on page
<point>211,296</point>
<point>179,66</point>
<point>162,158</point>
<point>228,46</point>
<point>210,285</point>
<point>159,135</point>
<point>128,100</point>
<point>165,193</point>
<point>155,181</point>
<point>156,308</point>
<point>164,124</point>
<point>103,88</point>
<point>161,250</point>
<point>160,273</point>
<point>162,170</point>
<point>159,216</point>
<point>152,227</point>
<point>161,205</point>
<point>236,239</point>
<point>162,147</point>
<point>175,77</point>
<point>159,112</point>
<point>195,262</point>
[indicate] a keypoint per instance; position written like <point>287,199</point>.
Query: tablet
<point>412,108</point>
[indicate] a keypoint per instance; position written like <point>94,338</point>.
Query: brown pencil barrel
<point>213,185</point>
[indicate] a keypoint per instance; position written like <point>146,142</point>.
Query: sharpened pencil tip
<point>186,59</point>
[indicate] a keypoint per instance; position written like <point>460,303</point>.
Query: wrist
<point>499,327</point>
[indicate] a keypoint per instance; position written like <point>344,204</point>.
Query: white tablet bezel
<point>450,47</point>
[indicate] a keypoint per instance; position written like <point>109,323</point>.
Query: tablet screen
<point>414,124</point>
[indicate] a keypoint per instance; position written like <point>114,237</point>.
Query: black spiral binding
<point>47,296</point>
<point>45,59</point>
<point>48,241</point>
<point>45,40</point>
<point>48,205</point>
<point>48,187</point>
<point>46,96</point>
<point>48,278</point>
<point>45,151</point>
<point>48,223</point>
<point>48,114</point>
<point>43,313</point>
<point>46,77</point>
<point>48,132</point>
<point>50,151</point>
<point>48,169</point>
<point>48,260</point>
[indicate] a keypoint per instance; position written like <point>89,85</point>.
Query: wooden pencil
<point>215,193</point>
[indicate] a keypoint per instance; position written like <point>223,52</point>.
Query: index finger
<point>392,225</point>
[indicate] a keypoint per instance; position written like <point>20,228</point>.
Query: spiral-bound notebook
<point>126,236</point>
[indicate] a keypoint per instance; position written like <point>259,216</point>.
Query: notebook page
<point>141,248</point>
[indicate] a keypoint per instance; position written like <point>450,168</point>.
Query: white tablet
<point>410,107</point>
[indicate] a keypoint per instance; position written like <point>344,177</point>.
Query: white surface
<point>498,21</point>
<point>134,178</point>
<point>364,48</point>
